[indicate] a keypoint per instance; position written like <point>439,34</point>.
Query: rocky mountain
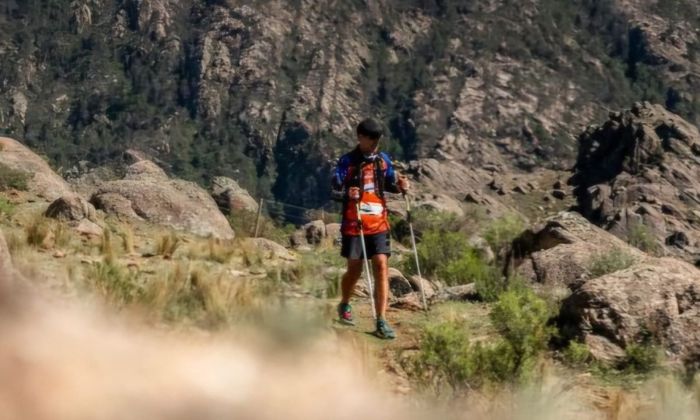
<point>636,176</point>
<point>267,92</point>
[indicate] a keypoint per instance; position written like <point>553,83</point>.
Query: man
<point>362,177</point>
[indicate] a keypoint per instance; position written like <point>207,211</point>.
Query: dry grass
<point>39,232</point>
<point>107,246</point>
<point>127,235</point>
<point>213,249</point>
<point>167,245</point>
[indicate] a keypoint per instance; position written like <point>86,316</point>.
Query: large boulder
<point>315,231</point>
<point>560,252</point>
<point>658,300</point>
<point>147,194</point>
<point>43,181</point>
<point>231,197</point>
<point>637,176</point>
<point>71,207</point>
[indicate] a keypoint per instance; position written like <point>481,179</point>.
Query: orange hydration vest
<point>374,176</point>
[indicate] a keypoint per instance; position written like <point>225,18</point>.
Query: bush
<point>501,233</point>
<point>449,257</point>
<point>446,356</point>
<point>610,262</point>
<point>522,319</point>
<point>7,208</point>
<point>641,358</point>
<point>641,237</point>
<point>424,221</point>
<point>436,250</point>
<point>576,354</point>
<point>12,179</point>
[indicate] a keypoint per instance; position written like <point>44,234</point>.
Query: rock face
<point>659,298</point>
<point>560,251</point>
<point>259,71</point>
<point>148,194</point>
<point>231,197</point>
<point>639,173</point>
<point>43,181</point>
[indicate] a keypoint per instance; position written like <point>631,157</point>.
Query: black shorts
<point>379,243</point>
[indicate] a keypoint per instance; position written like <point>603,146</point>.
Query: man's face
<point>367,145</point>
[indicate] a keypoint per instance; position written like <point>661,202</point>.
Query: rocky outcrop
<point>230,197</point>
<point>147,194</point>
<point>77,212</point>
<point>645,300</point>
<point>43,181</point>
<point>71,207</point>
<point>560,252</point>
<point>639,173</point>
<point>656,302</point>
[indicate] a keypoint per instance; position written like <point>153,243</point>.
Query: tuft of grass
<point>220,251</point>
<point>610,262</point>
<point>127,235</point>
<point>107,246</point>
<point>39,232</point>
<point>200,296</point>
<point>62,234</point>
<point>167,245</point>
<point>115,284</point>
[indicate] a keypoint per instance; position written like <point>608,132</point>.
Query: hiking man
<point>362,177</point>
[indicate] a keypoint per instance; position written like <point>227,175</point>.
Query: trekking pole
<point>415,250</point>
<point>368,275</point>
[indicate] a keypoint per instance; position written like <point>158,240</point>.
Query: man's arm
<point>391,182</point>
<point>338,188</point>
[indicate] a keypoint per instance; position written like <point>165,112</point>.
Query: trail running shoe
<point>384,330</point>
<point>345,314</point>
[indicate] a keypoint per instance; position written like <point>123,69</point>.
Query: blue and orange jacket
<point>373,176</point>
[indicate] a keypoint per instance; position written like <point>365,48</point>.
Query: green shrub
<point>7,208</point>
<point>641,237</point>
<point>610,262</point>
<point>424,221</point>
<point>436,250</point>
<point>522,317</point>
<point>577,354</point>
<point>501,232</point>
<point>641,358</point>
<point>447,358</point>
<point>445,355</point>
<point>12,179</point>
<point>469,268</point>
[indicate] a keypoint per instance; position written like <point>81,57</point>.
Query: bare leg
<point>350,278</point>
<point>380,263</point>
